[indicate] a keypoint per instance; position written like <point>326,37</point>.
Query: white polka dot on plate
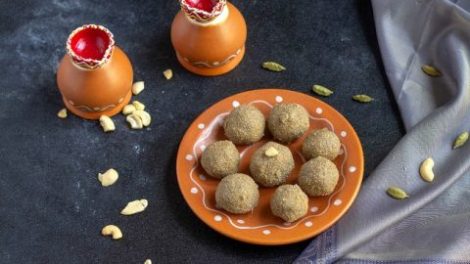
<point>308,224</point>
<point>201,126</point>
<point>266,232</point>
<point>235,104</point>
<point>202,177</point>
<point>314,209</point>
<point>338,202</point>
<point>318,110</point>
<point>202,147</point>
<point>240,221</point>
<point>217,218</point>
<point>352,169</point>
<point>343,134</point>
<point>194,190</point>
<point>189,157</point>
<point>279,99</point>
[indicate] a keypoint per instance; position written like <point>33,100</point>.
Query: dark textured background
<point>52,207</point>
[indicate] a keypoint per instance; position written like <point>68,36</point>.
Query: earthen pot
<point>208,36</point>
<point>95,76</point>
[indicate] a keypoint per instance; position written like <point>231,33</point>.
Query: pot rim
<point>89,63</point>
<point>202,15</point>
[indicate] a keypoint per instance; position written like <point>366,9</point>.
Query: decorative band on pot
<point>213,64</point>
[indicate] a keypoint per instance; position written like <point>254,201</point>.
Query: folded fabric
<point>433,224</point>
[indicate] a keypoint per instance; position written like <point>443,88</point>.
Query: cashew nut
<point>107,123</point>
<point>168,74</point>
<point>62,113</point>
<point>138,105</point>
<point>425,170</point>
<point>134,121</point>
<point>128,109</point>
<point>144,116</point>
<point>148,261</point>
<point>138,87</point>
<point>108,178</point>
<point>135,207</point>
<point>112,230</point>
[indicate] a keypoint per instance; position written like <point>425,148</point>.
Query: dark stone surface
<point>52,207</point>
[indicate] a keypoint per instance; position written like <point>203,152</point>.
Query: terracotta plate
<point>260,226</point>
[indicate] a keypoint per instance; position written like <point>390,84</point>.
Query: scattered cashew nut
<point>425,170</point>
<point>134,121</point>
<point>168,74</point>
<point>128,109</point>
<point>62,113</point>
<point>138,105</point>
<point>144,116</point>
<point>113,231</point>
<point>148,261</point>
<point>108,178</point>
<point>135,207</point>
<point>138,87</point>
<point>107,123</point>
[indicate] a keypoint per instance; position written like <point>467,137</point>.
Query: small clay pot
<point>208,36</point>
<point>95,76</point>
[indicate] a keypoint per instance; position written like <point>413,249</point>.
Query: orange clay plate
<point>260,226</point>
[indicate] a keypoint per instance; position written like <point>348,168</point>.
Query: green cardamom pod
<point>362,98</point>
<point>397,193</point>
<point>431,71</point>
<point>460,140</point>
<point>273,66</point>
<point>321,90</point>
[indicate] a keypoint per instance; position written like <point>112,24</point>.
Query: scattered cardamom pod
<point>460,140</point>
<point>397,193</point>
<point>321,90</point>
<point>362,98</point>
<point>431,71</point>
<point>273,66</point>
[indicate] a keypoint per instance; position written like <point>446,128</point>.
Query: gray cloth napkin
<point>433,225</point>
